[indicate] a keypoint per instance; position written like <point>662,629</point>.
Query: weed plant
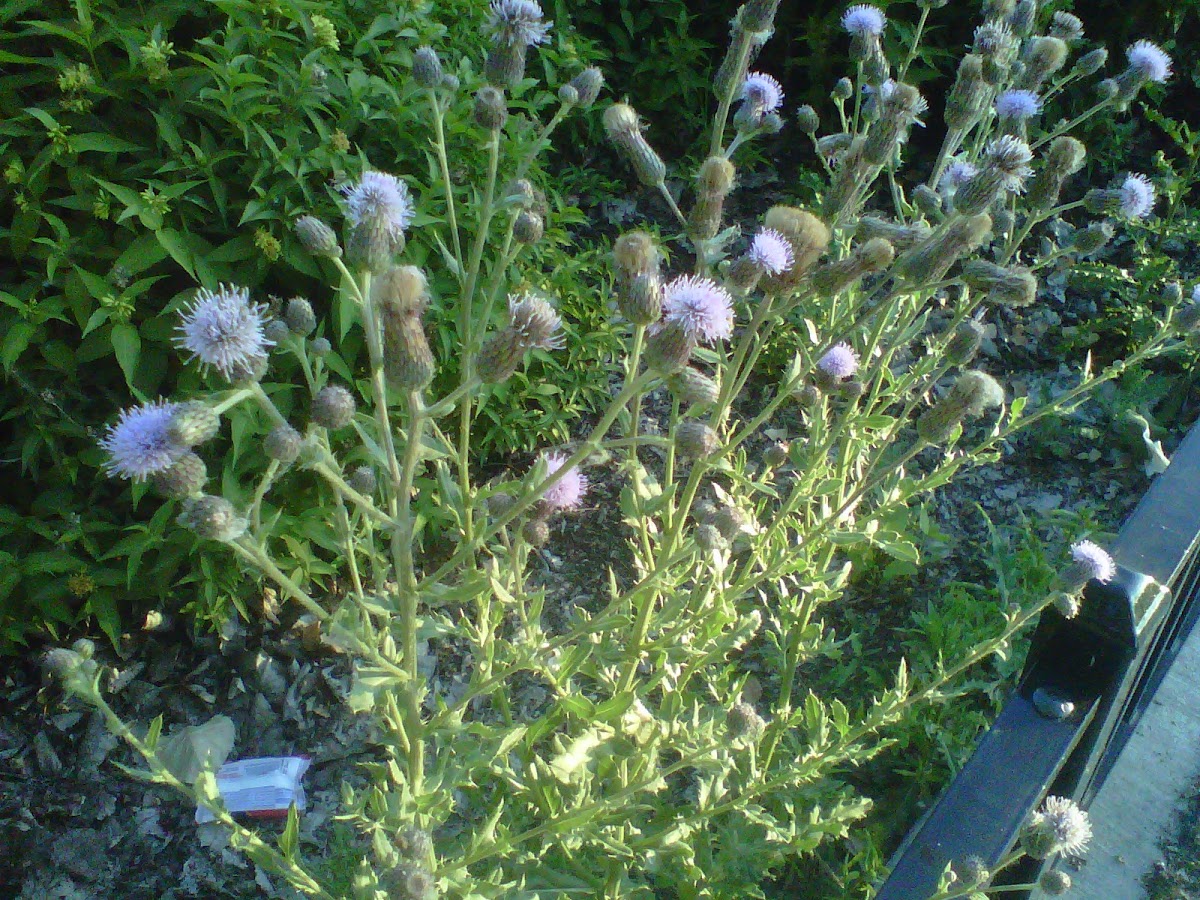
<point>654,764</point>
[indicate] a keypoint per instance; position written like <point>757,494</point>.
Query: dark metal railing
<point>1086,682</point>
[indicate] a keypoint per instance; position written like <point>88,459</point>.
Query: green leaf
<point>16,339</point>
<point>127,344</point>
<point>173,242</point>
<point>103,143</point>
<point>290,839</point>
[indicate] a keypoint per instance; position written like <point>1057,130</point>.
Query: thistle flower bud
<point>1043,57</point>
<point>212,518</point>
<point>807,119</point>
<point>185,477</point>
<point>333,407</point>
<point>317,238</point>
<point>491,109</point>
<point>964,344</point>
<point>707,537</point>
<point>873,256</point>
<point>843,90</point>
<point>670,347</point>
<point>731,522</point>
<point>808,236</point>
<point>1172,293</point>
<point>401,295</point>
<point>1066,27</point>
<point>193,423</point>
<point>414,844</point>
<point>928,201</point>
<point>1015,287</point>
<point>536,532</point>
<point>1086,241</point>
<point>568,95</point>
<point>363,480</point>
<point>450,83</point>
<point>1064,157</point>
<point>693,388</point>
<point>776,454</point>
<point>1024,17</point>
<point>968,96</point>
<point>276,331</point>
<point>409,881</point>
<point>901,107</point>
<point>695,440</point>
<point>899,236</point>
<point>283,443</point>
<point>713,183</point>
<point>528,227</point>
<point>930,260</point>
<point>426,67</point>
<point>1092,61</point>
<point>624,129</point>
<point>379,210</point>
<point>973,871</point>
<point>771,123</point>
<point>587,86</point>
<point>505,64</point>
<point>1055,882</point>
<point>320,347</point>
<point>744,723</point>
<point>500,356</point>
<point>759,15</point>
<point>996,46</point>
<point>1108,89</point>
<point>972,393</point>
<point>635,253</point>
<point>299,316</point>
<point>999,9</point>
<point>638,283</point>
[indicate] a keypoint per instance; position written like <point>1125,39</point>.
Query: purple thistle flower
<point>223,329</point>
<point>840,361</point>
<point>568,491</point>
<point>1018,105</point>
<point>380,200</point>
<point>139,444</point>
<point>518,23</point>
<point>958,173</point>
<point>1150,61</point>
<point>1137,196</point>
<point>535,322</point>
<point>1067,823</point>
<point>864,19</point>
<point>771,252</point>
<point>1094,560</point>
<point>1009,157</point>
<point>701,306</point>
<point>763,92</point>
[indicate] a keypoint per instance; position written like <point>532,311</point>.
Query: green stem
<point>439,146</point>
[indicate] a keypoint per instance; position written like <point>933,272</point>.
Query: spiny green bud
<point>898,112</point>
<point>212,518</point>
<point>401,296</point>
<point>776,454</point>
<point>409,881</point>
<point>693,388</point>
<point>568,95</point>
<point>638,283</point>
<point>528,227</point>
<point>1043,57</point>
<point>771,123</point>
<point>1055,882</point>
<point>669,349</point>
<point>333,407</point>
<point>317,238</point>
<point>450,83</point>
<point>1086,241</point>
<point>807,119</point>
<point>1172,293</point>
<point>536,532</point>
<point>624,129</point>
<point>276,331</point>
<point>490,108</point>
<point>833,145</point>
<point>193,424</point>
<point>299,316</point>
<point>636,253</point>
<point>707,537</point>
<point>185,477</point>
<point>731,521</point>
<point>1065,155</point>
<point>505,64</point>
<point>713,183</point>
<point>843,90</point>
<point>972,393</point>
<point>363,480</point>
<point>283,443</point>
<point>1092,61</point>
<point>320,347</point>
<point>500,357</point>
<point>414,844</point>
<point>1009,287</point>
<point>928,201</point>
<point>964,344</point>
<point>695,440</point>
<point>899,236</point>
<point>587,85</point>
<point>974,871</point>
<point>968,97</point>
<point>1108,89</point>
<point>427,68</point>
<point>743,722</point>
<point>930,260</point>
<point>873,256</point>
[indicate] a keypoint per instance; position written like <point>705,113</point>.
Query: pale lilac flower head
<point>1018,105</point>
<point>1137,196</point>
<point>1196,294</point>
<point>518,23</point>
<point>700,306</point>
<point>958,173</point>
<point>1094,560</point>
<point>864,19</point>
<point>140,444</point>
<point>1066,823</point>
<point>380,200</point>
<point>1009,157</point>
<point>568,491</point>
<point>224,330</point>
<point>771,252</point>
<point>763,92</point>
<point>840,361</point>
<point>1150,61</point>
<point>535,322</point>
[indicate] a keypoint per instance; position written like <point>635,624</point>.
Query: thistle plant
<point>654,761</point>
